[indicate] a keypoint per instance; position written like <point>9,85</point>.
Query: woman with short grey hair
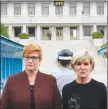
<point>84,92</point>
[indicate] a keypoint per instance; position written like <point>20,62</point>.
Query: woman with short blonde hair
<point>84,92</point>
<point>83,56</point>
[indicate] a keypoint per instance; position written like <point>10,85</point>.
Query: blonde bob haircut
<point>30,48</point>
<point>82,57</point>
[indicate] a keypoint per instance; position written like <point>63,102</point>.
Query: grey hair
<point>81,57</point>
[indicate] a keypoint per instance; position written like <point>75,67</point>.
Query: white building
<point>66,19</point>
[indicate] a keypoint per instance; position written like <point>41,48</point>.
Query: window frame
<point>85,26</point>
<point>60,9</point>
<point>72,7</point>
<point>33,32</point>
<point>17,10</point>
<point>4,8</point>
<point>98,5</point>
<point>85,8</point>
<point>59,33</point>
<point>101,26</point>
<point>31,8</point>
<point>43,9</point>
<point>20,27</point>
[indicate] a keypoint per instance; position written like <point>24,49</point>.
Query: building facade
<point>54,20</point>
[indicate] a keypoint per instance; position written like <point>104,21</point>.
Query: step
<point>55,46</point>
<point>51,48</point>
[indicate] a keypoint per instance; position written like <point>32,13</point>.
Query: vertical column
<point>10,10</point>
<point>105,33</point>
<point>66,9</point>
<point>24,29</point>
<point>52,9</point>
<point>79,8</point>
<point>105,8</point>
<point>53,37</point>
<point>5,67</point>
<point>38,9</point>
<point>94,28</point>
<point>10,31</point>
<point>35,32</point>
<point>66,33</point>
<point>93,9</point>
<point>81,32</point>
<point>21,65</point>
<point>38,32</point>
<point>1,66</point>
<point>24,9</point>
<point>9,66</point>
<point>12,63</point>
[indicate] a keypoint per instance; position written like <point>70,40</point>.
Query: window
<point>31,31</point>
<point>59,10</point>
<point>100,8</point>
<point>17,9</point>
<point>45,8</point>
<point>17,31</point>
<point>86,8</point>
<point>72,8</point>
<point>45,31</point>
<point>3,9</point>
<point>59,33</point>
<point>101,29</point>
<point>31,8</point>
<point>87,30</point>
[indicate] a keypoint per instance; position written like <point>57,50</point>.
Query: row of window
<point>58,9</point>
<point>59,32</point>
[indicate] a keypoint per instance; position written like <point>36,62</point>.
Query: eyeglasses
<point>27,58</point>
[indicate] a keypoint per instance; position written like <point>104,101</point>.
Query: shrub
<point>4,30</point>
<point>97,34</point>
<point>23,36</point>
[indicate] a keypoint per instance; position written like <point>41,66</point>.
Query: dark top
<point>32,100</point>
<point>92,95</point>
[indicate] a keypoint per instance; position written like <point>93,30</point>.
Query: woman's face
<point>32,61</point>
<point>83,68</point>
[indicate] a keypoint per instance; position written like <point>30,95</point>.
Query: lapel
<point>26,89</point>
<point>37,87</point>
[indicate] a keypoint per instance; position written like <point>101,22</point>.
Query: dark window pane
<point>17,31</point>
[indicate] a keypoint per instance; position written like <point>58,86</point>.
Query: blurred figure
<point>64,74</point>
<point>84,92</point>
<point>31,89</point>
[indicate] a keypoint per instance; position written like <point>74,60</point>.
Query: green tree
<point>3,30</point>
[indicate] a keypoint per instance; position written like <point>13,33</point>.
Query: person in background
<point>84,92</point>
<point>31,89</point>
<point>64,74</point>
